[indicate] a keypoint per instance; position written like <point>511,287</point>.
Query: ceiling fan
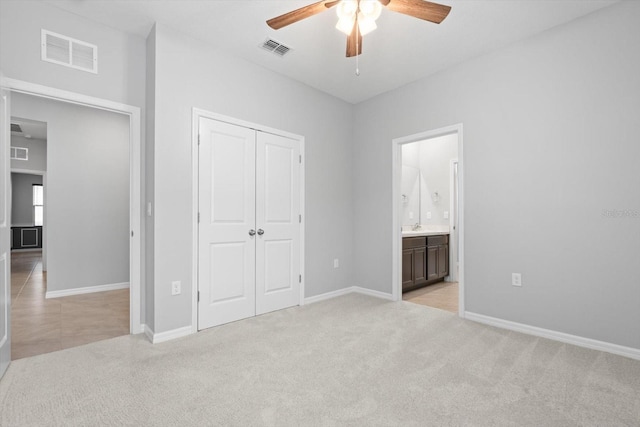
<point>357,17</point>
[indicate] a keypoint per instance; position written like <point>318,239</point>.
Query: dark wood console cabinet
<point>26,237</point>
<point>425,260</point>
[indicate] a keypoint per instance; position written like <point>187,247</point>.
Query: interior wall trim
<point>87,290</point>
<point>630,352</point>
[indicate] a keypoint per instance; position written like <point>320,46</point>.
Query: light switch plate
<point>428,215</point>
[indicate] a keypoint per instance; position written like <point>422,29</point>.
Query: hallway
<point>40,325</point>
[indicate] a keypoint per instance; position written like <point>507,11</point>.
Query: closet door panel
<point>226,203</point>
<point>277,219</point>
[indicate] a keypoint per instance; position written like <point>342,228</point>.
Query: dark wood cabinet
<point>407,268</point>
<point>432,262</point>
<point>425,260</point>
<point>414,262</point>
<point>443,261</point>
<point>26,237</point>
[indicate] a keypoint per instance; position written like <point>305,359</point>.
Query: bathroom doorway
<point>427,219</point>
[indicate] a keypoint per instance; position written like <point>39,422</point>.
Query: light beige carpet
<point>353,360</point>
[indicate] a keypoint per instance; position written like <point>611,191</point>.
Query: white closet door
<point>277,220</point>
<point>226,263</point>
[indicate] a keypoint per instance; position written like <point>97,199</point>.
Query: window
<point>38,204</point>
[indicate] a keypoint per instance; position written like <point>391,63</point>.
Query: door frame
<point>196,115</point>
<point>135,183</point>
<point>396,225</point>
<point>453,209</point>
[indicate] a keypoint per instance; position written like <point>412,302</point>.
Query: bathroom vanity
<point>425,258</point>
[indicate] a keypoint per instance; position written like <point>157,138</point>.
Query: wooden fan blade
<point>421,9</point>
<point>299,14</point>
<point>354,42</point>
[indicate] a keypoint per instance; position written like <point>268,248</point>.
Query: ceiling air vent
<point>275,47</point>
<point>16,128</point>
<point>69,52</point>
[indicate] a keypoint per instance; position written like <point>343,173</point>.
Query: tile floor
<point>40,325</point>
<point>442,295</point>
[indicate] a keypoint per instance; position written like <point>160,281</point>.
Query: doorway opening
<point>133,219</point>
<point>428,211</point>
<point>72,288</point>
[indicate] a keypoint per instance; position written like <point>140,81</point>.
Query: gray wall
<point>192,74</point>
<point>121,57</point>
<point>37,160</point>
<point>87,213</point>
<point>22,198</point>
<point>550,147</point>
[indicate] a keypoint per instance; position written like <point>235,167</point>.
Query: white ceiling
<point>401,50</point>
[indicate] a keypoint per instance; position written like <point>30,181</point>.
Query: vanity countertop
<point>425,230</point>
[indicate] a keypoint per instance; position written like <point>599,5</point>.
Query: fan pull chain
<point>357,49</point>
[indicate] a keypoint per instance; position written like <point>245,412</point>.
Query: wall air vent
<point>275,47</point>
<point>69,52</point>
<point>16,128</point>
<point>19,153</point>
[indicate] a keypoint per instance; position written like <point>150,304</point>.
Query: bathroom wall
<point>425,171</point>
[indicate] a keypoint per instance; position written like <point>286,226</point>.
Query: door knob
<point>260,232</point>
<point>252,232</point>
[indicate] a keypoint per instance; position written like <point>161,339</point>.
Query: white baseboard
<point>156,338</point>
<point>345,291</point>
<point>372,293</point>
<point>620,350</point>
<point>328,295</point>
<point>87,290</point>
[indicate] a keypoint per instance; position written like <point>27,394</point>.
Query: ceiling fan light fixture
<point>371,9</point>
<point>345,24</point>
<point>366,24</point>
<point>347,8</point>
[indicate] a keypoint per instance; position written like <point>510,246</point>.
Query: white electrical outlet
<point>336,263</point>
<point>176,288</point>
<point>446,215</point>
<point>410,215</point>
<point>428,215</point>
<point>516,279</point>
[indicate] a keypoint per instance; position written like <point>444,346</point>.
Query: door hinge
<point>131,233</point>
<point>198,139</point>
<point>300,278</point>
<point>300,157</point>
<point>300,219</point>
<point>198,217</point>
<point>198,296</point>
